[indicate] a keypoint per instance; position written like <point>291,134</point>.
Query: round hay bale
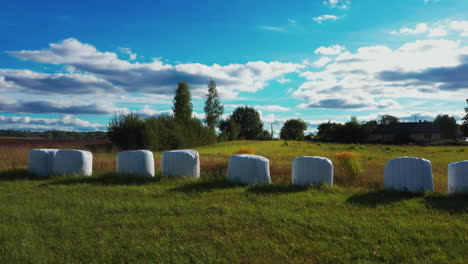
<point>73,161</point>
<point>137,162</point>
<point>458,177</point>
<point>40,161</point>
<point>409,175</point>
<point>182,163</point>
<point>248,169</point>
<point>312,170</point>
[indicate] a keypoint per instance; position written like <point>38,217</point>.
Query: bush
<point>348,164</point>
<point>161,132</point>
<point>245,150</point>
<point>126,131</point>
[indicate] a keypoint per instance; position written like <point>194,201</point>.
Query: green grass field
<point>107,219</point>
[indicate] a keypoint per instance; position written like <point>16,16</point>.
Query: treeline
<point>355,131</point>
<point>54,134</point>
<point>181,129</point>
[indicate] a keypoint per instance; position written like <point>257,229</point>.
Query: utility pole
<point>272,132</point>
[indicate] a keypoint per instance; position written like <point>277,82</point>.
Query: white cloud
<point>437,32</point>
<point>104,72</point>
<point>439,29</point>
<point>337,3</point>
<point>283,80</point>
<point>64,123</point>
<point>292,21</point>
<point>270,28</point>
<point>375,76</point>
<point>270,108</point>
<point>418,29</point>
<point>331,50</point>
<point>460,26</point>
<point>127,51</point>
<point>322,18</point>
<point>322,62</point>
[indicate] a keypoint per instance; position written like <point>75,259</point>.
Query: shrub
<point>245,150</point>
<point>348,164</point>
<point>161,132</point>
<point>126,131</point>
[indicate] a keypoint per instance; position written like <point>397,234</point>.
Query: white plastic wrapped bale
<point>409,175</point>
<point>183,163</point>
<point>137,162</point>
<point>458,177</point>
<point>248,169</point>
<point>72,161</point>
<point>40,161</point>
<point>312,170</point>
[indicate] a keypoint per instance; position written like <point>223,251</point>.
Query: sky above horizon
<point>72,66</point>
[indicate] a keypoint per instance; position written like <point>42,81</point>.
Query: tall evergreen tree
<point>182,102</point>
<point>213,107</point>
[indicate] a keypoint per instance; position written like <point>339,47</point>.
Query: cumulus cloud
<point>322,62</point>
<point>337,3</point>
<point>418,29</point>
<point>283,80</point>
<point>48,106</point>
<point>64,123</point>
<point>322,18</point>
<point>331,50</point>
<point>435,69</point>
<point>352,103</point>
<point>439,29</point>
<point>270,108</point>
<point>129,53</point>
<point>105,72</point>
<point>460,26</point>
<point>271,28</point>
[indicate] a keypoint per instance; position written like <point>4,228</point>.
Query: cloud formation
<point>337,3</point>
<point>93,71</point>
<point>47,106</point>
<point>322,18</point>
<point>373,77</point>
<point>64,123</point>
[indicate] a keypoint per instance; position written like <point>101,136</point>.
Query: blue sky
<point>73,65</point>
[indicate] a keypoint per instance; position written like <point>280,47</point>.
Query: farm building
<point>421,132</point>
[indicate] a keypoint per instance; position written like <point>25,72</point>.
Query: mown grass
<point>111,219</point>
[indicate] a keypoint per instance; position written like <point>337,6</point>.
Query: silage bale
<point>40,161</point>
<point>458,177</point>
<point>409,174</point>
<point>137,162</point>
<point>312,170</point>
<point>73,161</point>
<point>248,169</point>
<point>183,163</point>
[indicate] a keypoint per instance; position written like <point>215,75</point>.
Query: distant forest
<point>54,134</point>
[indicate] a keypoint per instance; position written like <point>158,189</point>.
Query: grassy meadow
<point>110,219</point>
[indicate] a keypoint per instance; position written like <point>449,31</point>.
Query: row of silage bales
<point>180,163</point>
<point>44,162</point>
<point>401,174</point>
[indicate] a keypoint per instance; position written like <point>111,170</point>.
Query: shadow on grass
<point>104,179</point>
<point>375,198</point>
<point>204,186</point>
<point>276,189</point>
<point>454,204</point>
<point>18,174</point>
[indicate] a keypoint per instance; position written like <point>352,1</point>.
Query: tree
<point>464,126</point>
<point>182,102</point>
<point>448,126</point>
<point>213,107</point>
<point>230,129</point>
<point>293,129</point>
<point>251,126</point>
<point>388,120</point>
